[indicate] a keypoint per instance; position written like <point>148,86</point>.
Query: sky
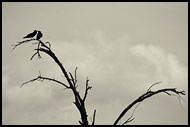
<point>123,48</point>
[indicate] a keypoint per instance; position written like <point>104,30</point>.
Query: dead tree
<point>72,82</point>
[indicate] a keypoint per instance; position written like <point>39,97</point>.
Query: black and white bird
<point>39,35</point>
<point>31,35</point>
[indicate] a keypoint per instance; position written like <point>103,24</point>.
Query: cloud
<point>166,65</point>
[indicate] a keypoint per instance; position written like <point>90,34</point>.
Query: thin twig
<point>42,44</point>
<point>178,97</point>
<point>167,93</point>
<point>33,55</point>
<point>153,85</point>
<point>183,100</point>
<point>72,79</point>
<point>40,78</point>
<point>130,118</point>
<point>29,81</point>
<point>38,51</point>
<point>93,121</point>
<point>80,122</point>
<point>49,44</point>
<point>21,42</point>
<point>75,77</point>
<point>86,89</point>
<point>39,73</point>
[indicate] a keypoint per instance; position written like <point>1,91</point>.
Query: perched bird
<point>31,35</point>
<point>39,35</point>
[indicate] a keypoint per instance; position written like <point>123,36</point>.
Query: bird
<point>39,35</point>
<point>31,35</point>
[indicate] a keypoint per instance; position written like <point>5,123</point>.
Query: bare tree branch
<point>153,85</point>
<point>93,121</point>
<point>38,51</point>
<point>50,53</point>
<point>80,122</point>
<point>33,55</point>
<point>168,93</point>
<point>48,44</point>
<point>78,101</point>
<point>22,42</point>
<point>178,97</point>
<point>40,78</point>
<point>86,89</point>
<point>75,77</point>
<point>72,79</point>
<point>145,96</point>
<point>131,118</point>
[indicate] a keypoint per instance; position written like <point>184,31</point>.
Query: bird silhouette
<point>39,35</point>
<point>31,35</point>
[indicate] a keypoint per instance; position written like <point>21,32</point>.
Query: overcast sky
<point>122,48</point>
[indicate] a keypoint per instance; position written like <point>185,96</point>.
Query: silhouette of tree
<point>72,83</point>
